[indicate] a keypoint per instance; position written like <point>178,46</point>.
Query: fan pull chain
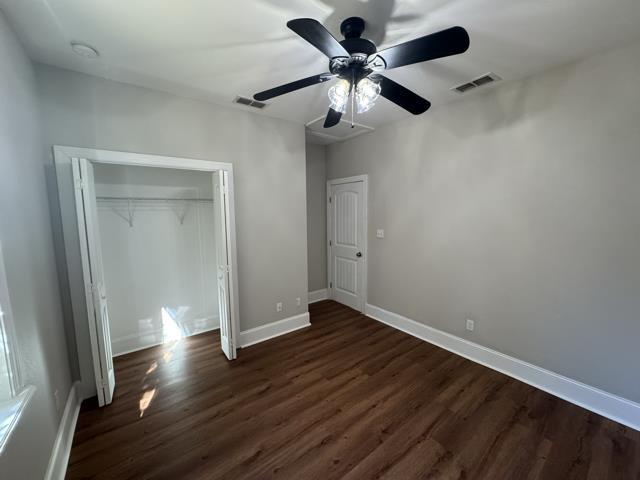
<point>353,94</point>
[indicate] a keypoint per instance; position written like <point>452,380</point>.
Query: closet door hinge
<point>80,183</point>
<point>93,288</point>
<point>330,284</point>
<point>225,189</point>
<point>225,268</point>
<point>329,199</point>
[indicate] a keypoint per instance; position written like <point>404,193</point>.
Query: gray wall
<point>317,216</point>
<point>25,234</point>
<point>519,208</point>
<point>268,156</point>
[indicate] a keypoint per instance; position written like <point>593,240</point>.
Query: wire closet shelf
<point>125,207</point>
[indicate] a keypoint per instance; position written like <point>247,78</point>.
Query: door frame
<point>74,248</point>
<point>365,247</point>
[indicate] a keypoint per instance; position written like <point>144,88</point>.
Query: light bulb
<point>367,91</point>
<point>339,95</point>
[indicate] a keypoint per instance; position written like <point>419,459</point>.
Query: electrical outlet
<point>279,307</point>
<point>380,233</point>
<point>471,325</point>
<point>298,302</point>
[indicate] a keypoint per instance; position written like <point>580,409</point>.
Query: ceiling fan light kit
<point>357,65</point>
<point>367,92</point>
<point>339,95</point>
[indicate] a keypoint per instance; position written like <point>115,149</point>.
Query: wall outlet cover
<point>380,233</point>
<point>471,325</point>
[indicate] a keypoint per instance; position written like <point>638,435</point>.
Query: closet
<point>156,229</point>
<point>150,250</point>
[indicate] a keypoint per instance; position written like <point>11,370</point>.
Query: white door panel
<point>347,243</point>
<point>224,263</point>
<point>91,253</point>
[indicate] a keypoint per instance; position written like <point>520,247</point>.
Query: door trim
<point>63,156</point>
<point>365,247</point>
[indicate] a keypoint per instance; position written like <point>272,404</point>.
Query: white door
<point>224,265</point>
<point>94,280</point>
<point>347,231</point>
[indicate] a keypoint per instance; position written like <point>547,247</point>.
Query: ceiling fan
<point>357,64</point>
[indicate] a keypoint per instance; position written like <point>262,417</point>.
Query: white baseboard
<point>318,295</point>
<point>274,329</point>
<point>603,403</point>
<point>59,459</point>
<point>139,341</point>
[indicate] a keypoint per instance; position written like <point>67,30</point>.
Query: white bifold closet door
<point>95,291</point>
<point>224,264</point>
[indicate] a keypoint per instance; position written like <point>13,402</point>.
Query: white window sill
<point>10,413</point>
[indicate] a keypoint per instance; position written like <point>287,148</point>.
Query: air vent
<point>258,104</point>
<point>249,103</point>
<point>477,82</point>
<point>488,78</point>
<point>464,87</point>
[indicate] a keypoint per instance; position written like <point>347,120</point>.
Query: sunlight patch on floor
<point>146,399</point>
<point>152,368</point>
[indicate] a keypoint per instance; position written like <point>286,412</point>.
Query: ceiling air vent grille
<point>477,82</point>
<point>249,103</point>
<point>464,87</point>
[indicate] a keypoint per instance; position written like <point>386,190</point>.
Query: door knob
<point>359,254</point>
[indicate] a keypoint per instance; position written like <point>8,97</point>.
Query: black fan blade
<point>318,36</point>
<point>401,96</point>
<point>333,118</point>
<point>451,41</point>
<point>290,87</point>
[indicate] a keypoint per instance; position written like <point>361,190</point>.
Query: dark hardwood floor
<point>346,398</point>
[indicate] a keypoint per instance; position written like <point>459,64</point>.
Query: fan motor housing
<point>359,45</point>
<point>353,68</point>
<point>352,29</point>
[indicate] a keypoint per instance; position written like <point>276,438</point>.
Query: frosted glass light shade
<point>367,92</point>
<point>339,95</point>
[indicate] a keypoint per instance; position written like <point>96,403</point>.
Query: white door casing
<point>224,265</point>
<point>347,231</point>
<point>95,289</point>
<point>73,214</point>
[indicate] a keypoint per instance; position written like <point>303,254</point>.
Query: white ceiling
<point>215,50</point>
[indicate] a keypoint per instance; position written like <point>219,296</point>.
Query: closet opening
<point>156,238</point>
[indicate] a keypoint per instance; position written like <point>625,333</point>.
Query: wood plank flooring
<point>347,398</point>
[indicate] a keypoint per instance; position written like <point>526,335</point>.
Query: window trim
<point>14,408</point>
<point>11,410</point>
